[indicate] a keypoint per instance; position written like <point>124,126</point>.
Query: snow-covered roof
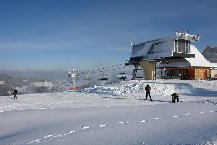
<point>198,61</point>
<point>163,47</point>
<point>214,65</point>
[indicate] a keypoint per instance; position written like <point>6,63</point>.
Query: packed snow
<point>114,114</point>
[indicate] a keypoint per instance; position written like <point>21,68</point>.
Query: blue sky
<point>86,34</point>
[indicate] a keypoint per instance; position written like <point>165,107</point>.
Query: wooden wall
<point>193,73</point>
<point>202,74</point>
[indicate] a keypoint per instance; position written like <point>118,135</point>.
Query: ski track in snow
<point>103,125</point>
<point>51,137</point>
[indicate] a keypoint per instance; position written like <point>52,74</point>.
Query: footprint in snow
<point>59,134</point>
<point>143,121</point>
<point>202,112</point>
<point>188,114</point>
<point>157,118</point>
<point>122,122</point>
<point>85,127</point>
<point>175,116</point>
<point>71,131</point>
<point>35,141</point>
<point>103,125</point>
<point>48,136</point>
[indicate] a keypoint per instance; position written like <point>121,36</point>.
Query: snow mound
<point>162,88</point>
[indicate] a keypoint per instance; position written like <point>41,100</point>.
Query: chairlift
<point>86,77</point>
<point>123,73</point>
<point>103,78</point>
<point>136,74</point>
<point>122,76</point>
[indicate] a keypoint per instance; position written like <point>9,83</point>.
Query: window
<point>182,46</point>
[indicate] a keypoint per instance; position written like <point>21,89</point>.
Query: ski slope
<point>114,114</point>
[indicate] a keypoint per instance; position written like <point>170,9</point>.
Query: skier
<point>148,91</point>
<point>15,93</point>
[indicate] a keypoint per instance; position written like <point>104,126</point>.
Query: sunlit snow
<point>114,114</point>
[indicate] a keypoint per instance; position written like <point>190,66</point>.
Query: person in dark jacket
<point>175,96</point>
<point>15,93</point>
<point>148,92</point>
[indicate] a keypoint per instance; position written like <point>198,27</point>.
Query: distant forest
<point>23,85</point>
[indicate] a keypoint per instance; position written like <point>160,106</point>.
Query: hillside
<point>25,85</point>
<point>210,53</point>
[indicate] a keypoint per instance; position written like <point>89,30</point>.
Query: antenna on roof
<point>131,43</point>
<point>198,36</point>
<point>177,29</point>
<point>186,31</point>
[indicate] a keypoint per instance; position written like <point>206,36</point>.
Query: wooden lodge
<point>197,68</point>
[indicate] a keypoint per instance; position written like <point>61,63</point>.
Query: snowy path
<point>181,123</point>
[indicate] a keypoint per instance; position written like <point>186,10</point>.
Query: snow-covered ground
<point>114,114</point>
<point>2,82</point>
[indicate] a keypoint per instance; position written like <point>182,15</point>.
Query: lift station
<point>146,54</point>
